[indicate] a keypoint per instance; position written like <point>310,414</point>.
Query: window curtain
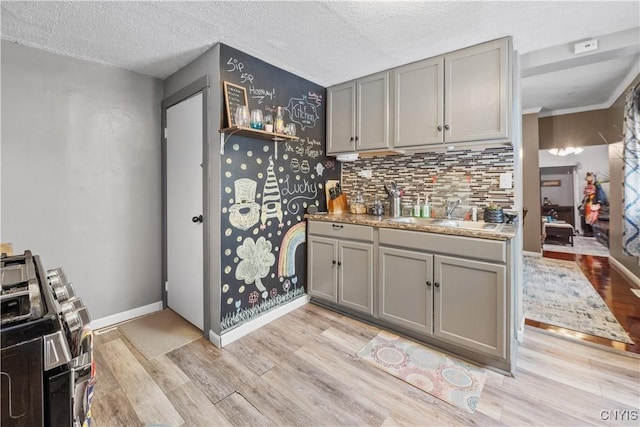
<point>631,182</point>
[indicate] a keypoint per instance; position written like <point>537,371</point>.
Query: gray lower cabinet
<point>458,300</point>
<point>405,288</point>
<point>470,304</point>
<point>340,267</point>
<point>452,291</point>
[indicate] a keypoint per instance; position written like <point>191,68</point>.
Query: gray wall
<point>531,183</point>
<point>81,174</point>
<point>208,64</point>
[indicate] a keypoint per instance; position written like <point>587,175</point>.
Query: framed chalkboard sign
<point>234,96</point>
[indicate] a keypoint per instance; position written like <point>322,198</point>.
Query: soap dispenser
<point>416,208</point>
<point>426,209</point>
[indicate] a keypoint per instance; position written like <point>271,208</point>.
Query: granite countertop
<point>505,232</point>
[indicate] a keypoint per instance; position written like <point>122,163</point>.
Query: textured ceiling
<point>326,42</point>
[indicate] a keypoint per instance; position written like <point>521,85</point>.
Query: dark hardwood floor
<point>614,289</point>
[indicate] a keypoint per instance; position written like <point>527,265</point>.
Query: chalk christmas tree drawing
<point>271,201</point>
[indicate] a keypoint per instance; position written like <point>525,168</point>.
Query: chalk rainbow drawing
<point>290,242</point>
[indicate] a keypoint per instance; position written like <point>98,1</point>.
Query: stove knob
<point>73,322</point>
<point>64,292</point>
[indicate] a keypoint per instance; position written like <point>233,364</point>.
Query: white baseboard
<point>103,322</point>
<point>635,280</point>
<point>534,254</point>
<point>255,324</point>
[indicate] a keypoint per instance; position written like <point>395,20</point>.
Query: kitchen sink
<point>446,222</point>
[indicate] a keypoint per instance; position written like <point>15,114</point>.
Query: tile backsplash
<point>471,175</point>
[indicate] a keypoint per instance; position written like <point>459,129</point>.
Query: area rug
<point>447,378</point>
<point>581,245</point>
<point>558,293</point>
<point>159,333</point>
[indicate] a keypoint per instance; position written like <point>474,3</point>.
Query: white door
<point>185,260</point>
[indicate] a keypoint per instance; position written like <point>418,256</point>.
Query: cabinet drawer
<point>341,231</point>
<point>491,250</point>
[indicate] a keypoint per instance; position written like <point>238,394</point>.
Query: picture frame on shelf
<point>234,96</point>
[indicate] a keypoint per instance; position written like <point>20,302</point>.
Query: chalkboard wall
<point>264,196</point>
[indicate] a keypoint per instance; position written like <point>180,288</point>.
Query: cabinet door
<point>341,118</point>
<point>355,275</point>
<point>372,124</point>
<point>477,93</point>
<point>323,264</point>
<point>418,106</point>
<point>470,303</point>
<point>405,288</point>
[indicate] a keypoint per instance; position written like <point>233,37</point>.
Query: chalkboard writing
<point>234,95</point>
<point>302,112</point>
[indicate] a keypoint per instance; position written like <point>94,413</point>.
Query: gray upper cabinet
<point>358,115</point>
<point>464,96</point>
<point>418,112</point>
<point>470,304</point>
<point>341,118</point>
<point>477,92</point>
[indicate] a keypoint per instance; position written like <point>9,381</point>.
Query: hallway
<point>616,292</point>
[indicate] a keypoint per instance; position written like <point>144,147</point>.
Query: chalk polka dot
<point>227,252</point>
<point>255,231</point>
<point>239,239</point>
<point>227,232</point>
<point>224,210</point>
<point>297,177</point>
<point>285,156</point>
<point>241,289</point>
<point>229,301</point>
<point>260,175</point>
<point>227,174</point>
<point>236,147</point>
<point>229,161</point>
<point>289,222</point>
<point>281,169</point>
<point>279,233</point>
<point>227,270</point>
<point>249,153</point>
<point>298,218</point>
<point>265,148</point>
<point>243,167</point>
<point>273,275</point>
<point>304,204</point>
<point>236,259</point>
<point>225,288</point>
<point>231,201</point>
<point>259,161</point>
<point>227,190</point>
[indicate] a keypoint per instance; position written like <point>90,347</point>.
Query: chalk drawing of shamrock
<point>257,260</point>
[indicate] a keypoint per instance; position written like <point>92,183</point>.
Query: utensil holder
<point>395,206</point>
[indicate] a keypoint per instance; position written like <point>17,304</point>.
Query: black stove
<point>47,370</point>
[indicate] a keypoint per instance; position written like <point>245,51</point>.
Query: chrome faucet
<point>450,206</point>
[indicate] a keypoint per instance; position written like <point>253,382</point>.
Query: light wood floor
<point>301,370</point>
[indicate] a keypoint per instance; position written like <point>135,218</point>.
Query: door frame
<point>200,85</point>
